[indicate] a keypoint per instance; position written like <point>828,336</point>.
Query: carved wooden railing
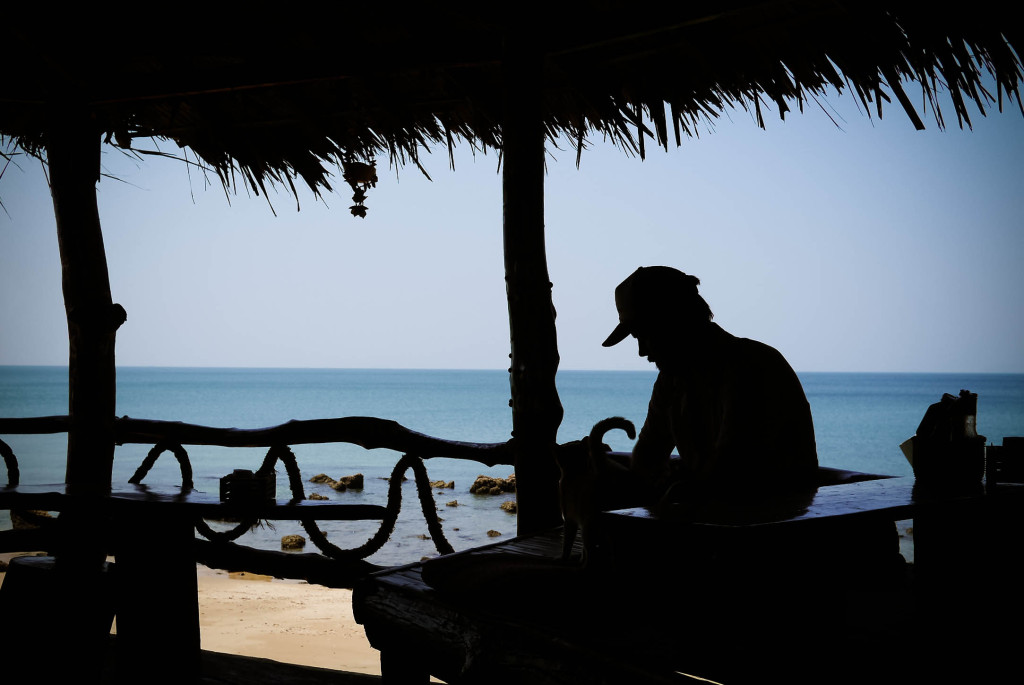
<point>334,566</point>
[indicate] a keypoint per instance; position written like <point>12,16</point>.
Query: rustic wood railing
<point>334,566</point>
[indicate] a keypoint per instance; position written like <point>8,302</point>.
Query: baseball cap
<point>648,294</point>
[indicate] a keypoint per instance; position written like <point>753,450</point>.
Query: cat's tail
<point>604,425</point>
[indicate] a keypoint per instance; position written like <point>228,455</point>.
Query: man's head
<point>661,308</point>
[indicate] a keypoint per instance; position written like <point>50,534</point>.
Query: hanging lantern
<point>360,176</point>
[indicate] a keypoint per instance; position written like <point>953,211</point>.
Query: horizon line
<point>467,369</point>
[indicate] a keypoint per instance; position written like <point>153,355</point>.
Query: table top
<point>892,498</point>
<point>173,500</point>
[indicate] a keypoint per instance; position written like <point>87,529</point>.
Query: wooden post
<point>73,154</point>
<point>536,409</point>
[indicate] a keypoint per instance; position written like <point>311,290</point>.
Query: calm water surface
<point>860,419</point>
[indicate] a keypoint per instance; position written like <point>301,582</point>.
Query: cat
<point>586,478</point>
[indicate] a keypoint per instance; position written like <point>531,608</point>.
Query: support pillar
<point>536,408</point>
<point>73,154</point>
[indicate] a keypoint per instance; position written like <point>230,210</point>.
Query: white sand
<point>292,622</point>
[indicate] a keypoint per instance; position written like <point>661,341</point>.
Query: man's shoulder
<point>755,349</point>
<point>753,359</point>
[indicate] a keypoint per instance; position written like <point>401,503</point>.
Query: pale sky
<point>867,247</point>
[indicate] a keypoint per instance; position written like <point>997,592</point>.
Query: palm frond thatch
<point>286,99</point>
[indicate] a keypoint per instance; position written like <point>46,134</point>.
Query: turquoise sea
<point>860,419</point>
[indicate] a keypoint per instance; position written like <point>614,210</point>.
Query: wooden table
<point>893,499</point>
<point>153,583</point>
<point>479,620</point>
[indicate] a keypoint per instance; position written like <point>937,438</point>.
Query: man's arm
<point>654,445</point>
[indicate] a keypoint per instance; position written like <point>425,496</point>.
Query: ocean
<point>859,419</point>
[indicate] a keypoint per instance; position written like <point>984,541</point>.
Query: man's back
<point>738,415</point>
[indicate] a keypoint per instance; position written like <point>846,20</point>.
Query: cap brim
<point>618,335</point>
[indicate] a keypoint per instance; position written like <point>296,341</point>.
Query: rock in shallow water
<point>293,542</point>
<point>486,485</point>
<point>354,481</point>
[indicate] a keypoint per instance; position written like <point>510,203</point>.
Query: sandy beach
<point>291,622</point>
<point>286,621</point>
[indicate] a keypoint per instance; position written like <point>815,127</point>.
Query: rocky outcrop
<point>442,485</point>
<point>317,495</point>
<point>340,484</point>
<point>355,481</point>
<point>510,506</point>
<point>453,503</point>
<point>486,485</point>
<point>293,542</point>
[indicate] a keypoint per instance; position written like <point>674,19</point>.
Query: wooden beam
<point>366,431</point>
<point>73,155</point>
<point>536,408</point>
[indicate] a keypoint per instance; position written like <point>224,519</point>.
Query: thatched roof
<point>276,98</point>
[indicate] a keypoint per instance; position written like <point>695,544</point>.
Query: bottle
<point>969,407</point>
<point>971,447</point>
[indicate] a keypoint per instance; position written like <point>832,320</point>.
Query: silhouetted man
<point>733,408</point>
<point>736,413</point>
